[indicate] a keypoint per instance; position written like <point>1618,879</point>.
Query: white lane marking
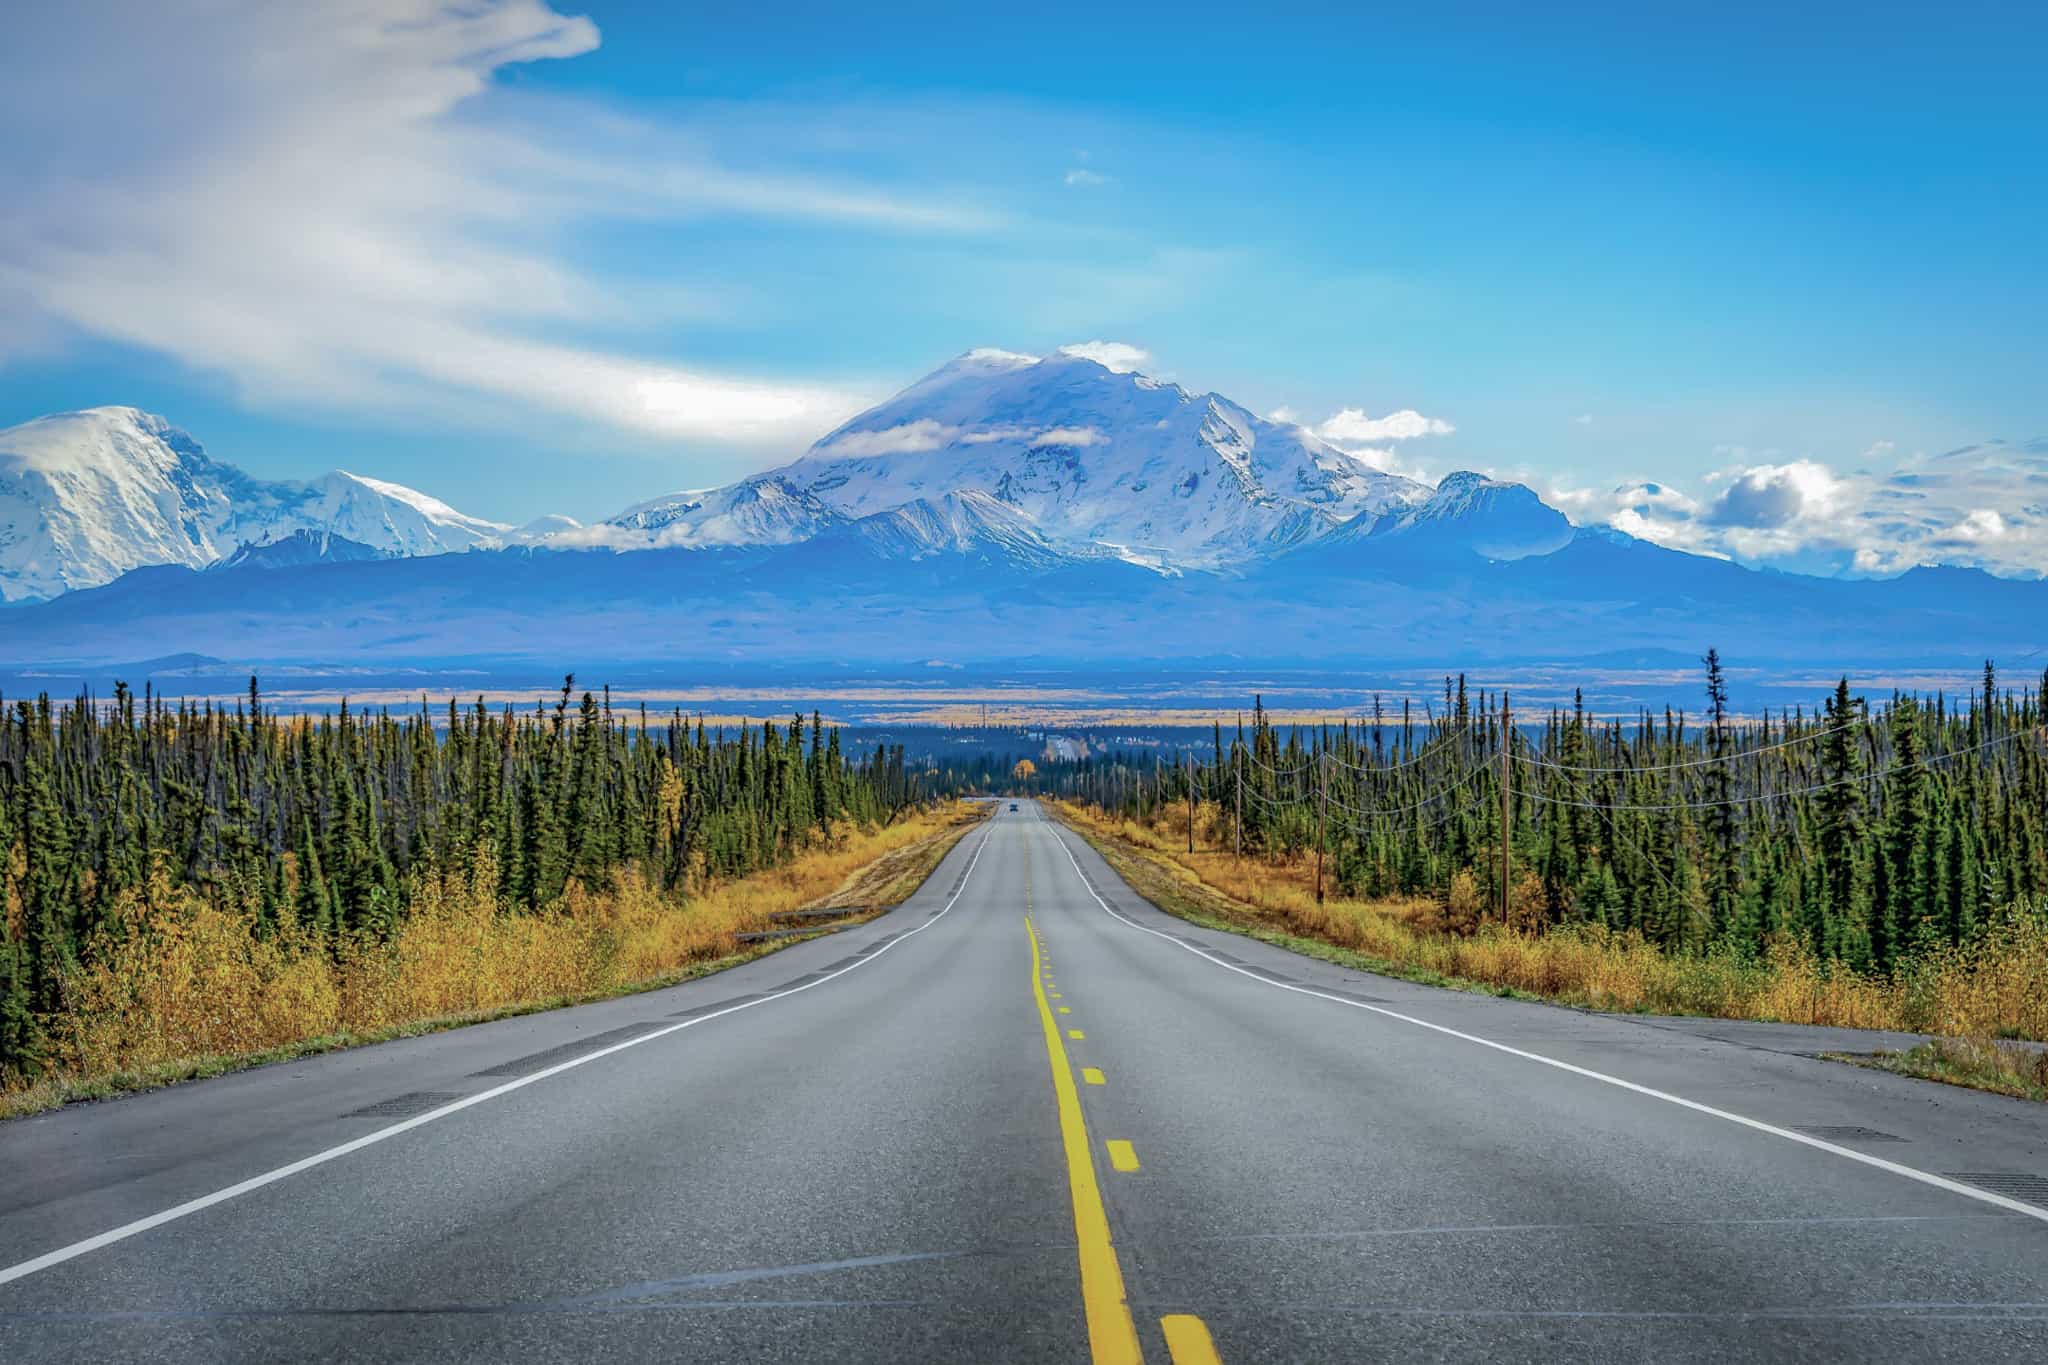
<point>1819,1144</point>
<point>257,1182</point>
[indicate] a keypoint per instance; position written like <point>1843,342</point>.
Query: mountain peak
<point>301,547</point>
<point>767,509</point>
<point>1463,482</point>
<point>341,485</point>
<point>1096,456</point>
<point>86,496</point>
<point>1459,493</point>
<point>1493,518</point>
<point>994,358</point>
<point>90,438</point>
<point>1466,514</point>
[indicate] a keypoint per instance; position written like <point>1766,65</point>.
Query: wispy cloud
<point>338,204</point>
<point>908,439</point>
<point>925,434</point>
<point>1081,175</point>
<point>1068,437</point>
<point>1119,356</point>
<point>1351,425</point>
<point>1372,439</point>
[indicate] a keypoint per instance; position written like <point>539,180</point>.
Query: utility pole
<point>1507,799</point>
<point>1237,822</point>
<point>1322,819</point>
<point>1191,803</point>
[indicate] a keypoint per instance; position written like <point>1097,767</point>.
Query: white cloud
<point>1070,437</point>
<point>1584,419</point>
<point>1982,524</point>
<point>1768,497</point>
<point>1390,461</point>
<point>1362,437</point>
<point>1654,512</point>
<point>913,438</point>
<point>990,435</point>
<point>906,439</point>
<point>1119,356</point>
<point>339,204</point>
<point>1081,175</point>
<point>1351,425</point>
<point>1983,506</point>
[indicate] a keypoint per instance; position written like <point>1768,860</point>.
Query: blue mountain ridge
<point>1407,594</point>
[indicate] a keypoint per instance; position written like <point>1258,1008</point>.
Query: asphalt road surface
<point>1025,1116</point>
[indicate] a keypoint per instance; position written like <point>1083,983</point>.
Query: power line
<point>1428,752</point>
<point>1377,812</point>
<point>1691,762</point>
<point>1276,772</point>
<point>1783,795</point>
<point>1283,804</point>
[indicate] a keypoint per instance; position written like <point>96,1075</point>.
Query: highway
<point>1027,1117</point>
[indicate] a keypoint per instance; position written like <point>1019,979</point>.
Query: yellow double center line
<point>1112,1335</point>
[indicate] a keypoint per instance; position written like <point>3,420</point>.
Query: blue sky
<point>533,261</point>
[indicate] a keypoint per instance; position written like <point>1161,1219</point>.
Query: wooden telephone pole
<point>1237,821</point>
<point>1322,820</point>
<point>1191,802</point>
<point>1507,799</point>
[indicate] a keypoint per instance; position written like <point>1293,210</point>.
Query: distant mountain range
<point>87,496</point>
<point>1003,509</point>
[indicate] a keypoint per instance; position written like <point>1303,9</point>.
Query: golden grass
<point>1997,987</point>
<point>188,983</point>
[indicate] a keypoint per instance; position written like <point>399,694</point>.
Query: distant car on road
<point>1013,805</point>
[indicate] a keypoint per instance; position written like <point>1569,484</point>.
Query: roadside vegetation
<point>1992,1064</point>
<point>1865,866</point>
<point>1995,987</point>
<point>187,888</point>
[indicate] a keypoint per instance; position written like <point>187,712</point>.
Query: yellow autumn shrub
<point>179,975</point>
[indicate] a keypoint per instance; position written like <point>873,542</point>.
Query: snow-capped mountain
<point>1491,518</point>
<point>540,528</point>
<point>299,549</point>
<point>1015,509</point>
<point>390,516</point>
<point>1097,459</point>
<point>765,510</point>
<point>1013,458</point>
<point>86,496</point>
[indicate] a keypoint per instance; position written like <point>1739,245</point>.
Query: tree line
<point>326,820</point>
<point>1870,831</point>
